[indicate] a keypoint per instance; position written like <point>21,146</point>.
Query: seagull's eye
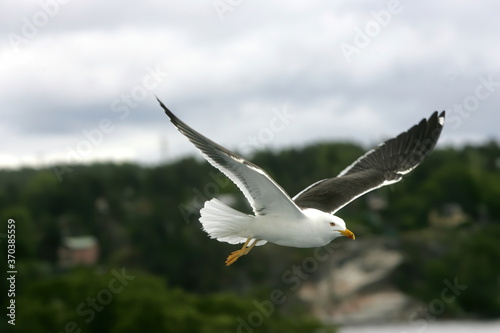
<point>332,224</point>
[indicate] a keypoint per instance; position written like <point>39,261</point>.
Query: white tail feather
<point>225,223</point>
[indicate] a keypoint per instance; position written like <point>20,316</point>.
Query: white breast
<point>294,233</point>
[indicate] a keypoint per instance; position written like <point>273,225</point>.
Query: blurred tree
<point>26,236</point>
<point>140,218</point>
<point>91,302</point>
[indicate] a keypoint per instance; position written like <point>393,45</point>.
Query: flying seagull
<point>307,219</point>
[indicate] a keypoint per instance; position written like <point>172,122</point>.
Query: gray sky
<point>78,78</point>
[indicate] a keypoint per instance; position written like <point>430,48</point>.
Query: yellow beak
<point>348,233</point>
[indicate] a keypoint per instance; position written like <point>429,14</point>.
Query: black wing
<point>386,164</point>
<point>263,193</point>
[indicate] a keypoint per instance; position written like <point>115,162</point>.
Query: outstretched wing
<point>383,165</point>
<point>263,193</point>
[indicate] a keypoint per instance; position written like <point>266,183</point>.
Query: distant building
<point>102,205</point>
<point>75,251</point>
<point>376,202</point>
<point>450,215</point>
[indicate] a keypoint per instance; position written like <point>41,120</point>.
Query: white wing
<point>263,193</point>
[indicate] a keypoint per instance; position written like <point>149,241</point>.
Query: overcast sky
<point>78,78</point>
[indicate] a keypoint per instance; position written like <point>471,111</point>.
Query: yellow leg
<point>238,253</point>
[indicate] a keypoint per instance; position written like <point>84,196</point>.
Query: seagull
<point>307,220</point>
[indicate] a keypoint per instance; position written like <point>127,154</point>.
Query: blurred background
<point>105,193</point>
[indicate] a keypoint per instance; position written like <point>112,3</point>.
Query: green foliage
<point>469,256</point>
<point>25,232</point>
<point>146,218</point>
<point>90,302</point>
<point>473,259</point>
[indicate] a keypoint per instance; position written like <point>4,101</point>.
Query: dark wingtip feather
<point>167,111</point>
<point>181,126</point>
<point>383,165</point>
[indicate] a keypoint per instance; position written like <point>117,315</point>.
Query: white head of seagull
<point>307,219</point>
<point>327,225</point>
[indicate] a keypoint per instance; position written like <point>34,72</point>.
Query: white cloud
<point>226,77</point>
